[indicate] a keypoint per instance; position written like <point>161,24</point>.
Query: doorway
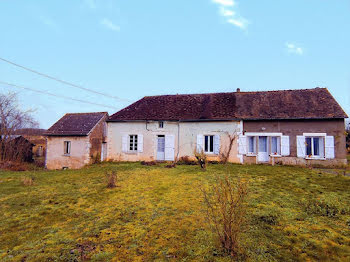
<point>161,148</point>
<point>263,155</point>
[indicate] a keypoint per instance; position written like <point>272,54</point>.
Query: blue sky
<point>130,49</point>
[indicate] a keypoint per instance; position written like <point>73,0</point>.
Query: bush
<point>28,181</point>
<point>185,160</point>
<point>226,212</point>
<point>111,179</point>
<point>150,163</point>
<point>15,166</point>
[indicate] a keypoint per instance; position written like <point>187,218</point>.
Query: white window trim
<point>312,136</point>
<point>257,134</point>
<point>208,152</point>
<point>69,148</point>
<point>262,134</point>
<point>255,142</point>
<point>128,144</point>
<point>279,145</point>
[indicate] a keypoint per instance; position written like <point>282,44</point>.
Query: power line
<point>51,94</point>
<point>62,81</point>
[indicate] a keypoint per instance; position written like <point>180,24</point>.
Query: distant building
<point>36,137</point>
<point>76,140</point>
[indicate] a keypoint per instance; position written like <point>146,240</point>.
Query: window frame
<point>133,143</point>
<point>269,136</point>
<point>210,145</point>
<point>251,153</point>
<point>67,148</point>
<point>312,147</point>
<point>161,124</point>
<point>278,146</point>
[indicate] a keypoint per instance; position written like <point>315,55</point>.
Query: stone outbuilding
<point>76,140</point>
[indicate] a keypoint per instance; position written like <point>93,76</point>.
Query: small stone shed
<point>76,140</point>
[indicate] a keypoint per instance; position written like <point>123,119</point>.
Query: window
<point>67,147</point>
<point>251,144</point>
<point>275,145</point>
<point>314,146</point>
<point>39,151</point>
<point>133,143</point>
<point>209,144</point>
<point>161,124</point>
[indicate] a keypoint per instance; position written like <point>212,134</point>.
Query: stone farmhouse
<point>292,127</point>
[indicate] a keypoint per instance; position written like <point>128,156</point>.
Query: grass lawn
<point>156,213</point>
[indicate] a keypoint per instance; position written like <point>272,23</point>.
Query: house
<point>296,127</point>
<point>36,137</point>
<point>76,140</point>
<point>292,127</point>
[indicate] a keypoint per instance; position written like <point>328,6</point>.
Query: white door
<point>263,155</point>
<point>161,148</point>
<point>103,151</point>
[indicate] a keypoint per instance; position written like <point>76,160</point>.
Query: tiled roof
<point>30,131</point>
<point>76,124</point>
<point>314,103</point>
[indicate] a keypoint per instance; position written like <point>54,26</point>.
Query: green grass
<point>158,214</point>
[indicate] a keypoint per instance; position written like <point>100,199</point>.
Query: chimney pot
<point>238,90</point>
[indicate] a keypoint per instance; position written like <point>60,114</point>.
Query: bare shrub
<point>28,181</point>
<point>15,166</point>
<point>201,159</point>
<point>185,160</point>
<point>172,165</point>
<point>149,163</point>
<point>12,147</point>
<point>224,156</point>
<point>226,212</point>
<point>111,179</point>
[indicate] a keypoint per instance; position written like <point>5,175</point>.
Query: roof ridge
<point>86,113</point>
<point>264,91</point>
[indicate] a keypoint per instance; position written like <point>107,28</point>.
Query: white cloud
<point>226,10</point>
<point>110,25</point>
<point>239,22</point>
<point>294,49</point>
<point>224,2</point>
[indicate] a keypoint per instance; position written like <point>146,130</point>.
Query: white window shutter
<point>169,147</point>
<point>216,144</point>
<point>301,146</point>
<point>322,147</point>
<point>140,143</point>
<point>329,147</point>
<point>285,148</point>
<point>200,143</point>
<point>242,145</point>
<point>125,143</point>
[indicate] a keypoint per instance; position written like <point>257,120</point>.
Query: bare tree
<point>225,154</point>
<point>13,118</point>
